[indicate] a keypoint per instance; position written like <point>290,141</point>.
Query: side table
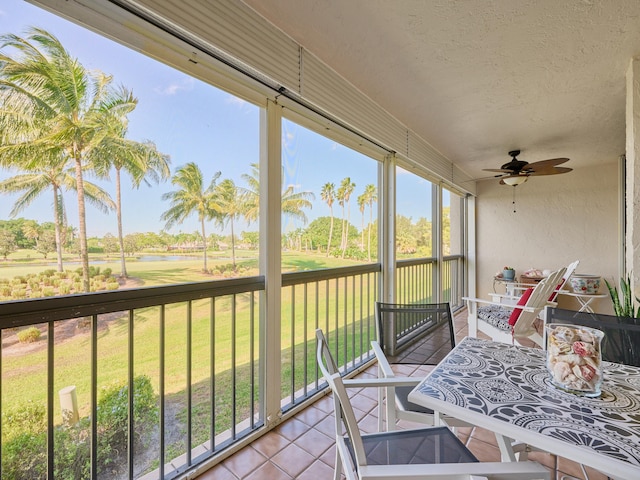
<point>584,299</point>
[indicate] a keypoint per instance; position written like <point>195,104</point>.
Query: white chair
<point>395,404</point>
<point>415,334</point>
<point>514,323</point>
<point>429,453</point>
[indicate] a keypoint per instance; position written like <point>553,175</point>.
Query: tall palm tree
<point>340,194</point>
<point>292,203</point>
<point>328,194</point>
<point>371,195</point>
<point>141,160</point>
<point>54,103</point>
<point>191,197</point>
<point>229,205</point>
<point>362,203</point>
<point>346,187</point>
<point>50,173</point>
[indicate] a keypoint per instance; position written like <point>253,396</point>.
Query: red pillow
<point>553,296</point>
<point>517,311</point>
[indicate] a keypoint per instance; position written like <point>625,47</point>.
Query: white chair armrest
<point>498,304</point>
<point>383,364</point>
<point>381,382</point>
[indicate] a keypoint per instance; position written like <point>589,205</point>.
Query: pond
<point>166,258</point>
<point>141,258</point>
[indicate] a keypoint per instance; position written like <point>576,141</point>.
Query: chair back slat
<point>539,298</point>
<point>344,415</point>
<point>419,334</point>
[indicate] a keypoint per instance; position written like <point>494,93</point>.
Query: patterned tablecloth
<point>511,390</point>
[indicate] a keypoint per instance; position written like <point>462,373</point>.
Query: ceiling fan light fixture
<point>515,180</point>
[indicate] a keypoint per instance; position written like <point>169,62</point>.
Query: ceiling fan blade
<point>492,177</point>
<point>544,164</point>
<point>499,170</point>
<point>551,171</point>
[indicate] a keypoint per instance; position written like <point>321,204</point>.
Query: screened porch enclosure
<point>180,368</point>
<point>190,364</point>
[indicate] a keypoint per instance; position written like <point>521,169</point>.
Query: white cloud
<point>287,139</point>
<point>174,88</point>
<point>233,100</point>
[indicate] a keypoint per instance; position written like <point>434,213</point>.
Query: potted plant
<point>508,273</point>
<point>625,343</point>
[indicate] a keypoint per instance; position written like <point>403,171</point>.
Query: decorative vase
<point>509,275</point>
<point>574,358</point>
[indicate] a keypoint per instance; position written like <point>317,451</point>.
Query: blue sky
<point>194,122</point>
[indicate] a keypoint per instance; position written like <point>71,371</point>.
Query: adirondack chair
<point>514,323</point>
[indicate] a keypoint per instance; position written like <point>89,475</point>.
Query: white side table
<point>584,299</point>
<point>509,297</point>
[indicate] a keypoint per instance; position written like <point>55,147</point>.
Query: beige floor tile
<point>315,442</point>
<point>293,460</point>
<point>317,471</point>
<point>270,444</point>
<point>244,462</point>
<point>268,471</point>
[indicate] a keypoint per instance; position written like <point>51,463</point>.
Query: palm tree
<point>340,194</point>
<point>228,204</point>
<point>252,193</point>
<point>346,189</point>
<point>191,197</point>
<point>141,160</point>
<point>50,173</point>
<point>53,103</point>
<point>328,194</point>
<point>371,196</point>
<point>292,203</point>
<point>362,203</point>
<point>32,231</point>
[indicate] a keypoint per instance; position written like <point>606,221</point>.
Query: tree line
<point>61,122</point>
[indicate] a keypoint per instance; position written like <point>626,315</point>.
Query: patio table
<point>506,389</point>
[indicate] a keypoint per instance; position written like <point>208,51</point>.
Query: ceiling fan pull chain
<point>514,198</point>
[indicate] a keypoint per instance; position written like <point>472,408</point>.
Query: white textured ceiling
<point>477,78</point>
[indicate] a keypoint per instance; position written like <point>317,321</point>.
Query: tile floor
<point>303,447</point>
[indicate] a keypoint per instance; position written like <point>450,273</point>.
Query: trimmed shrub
<point>24,442</point>
<point>29,335</point>
<point>19,293</point>
<point>113,412</point>
<point>48,292</point>
<point>24,436</point>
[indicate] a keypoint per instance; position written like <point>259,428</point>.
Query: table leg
<point>585,304</point>
<point>506,448</point>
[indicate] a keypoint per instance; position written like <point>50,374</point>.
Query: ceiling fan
<point>516,172</point>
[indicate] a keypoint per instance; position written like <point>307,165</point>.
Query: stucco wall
<point>558,219</point>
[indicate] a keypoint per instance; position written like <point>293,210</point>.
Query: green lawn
<point>24,376</point>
